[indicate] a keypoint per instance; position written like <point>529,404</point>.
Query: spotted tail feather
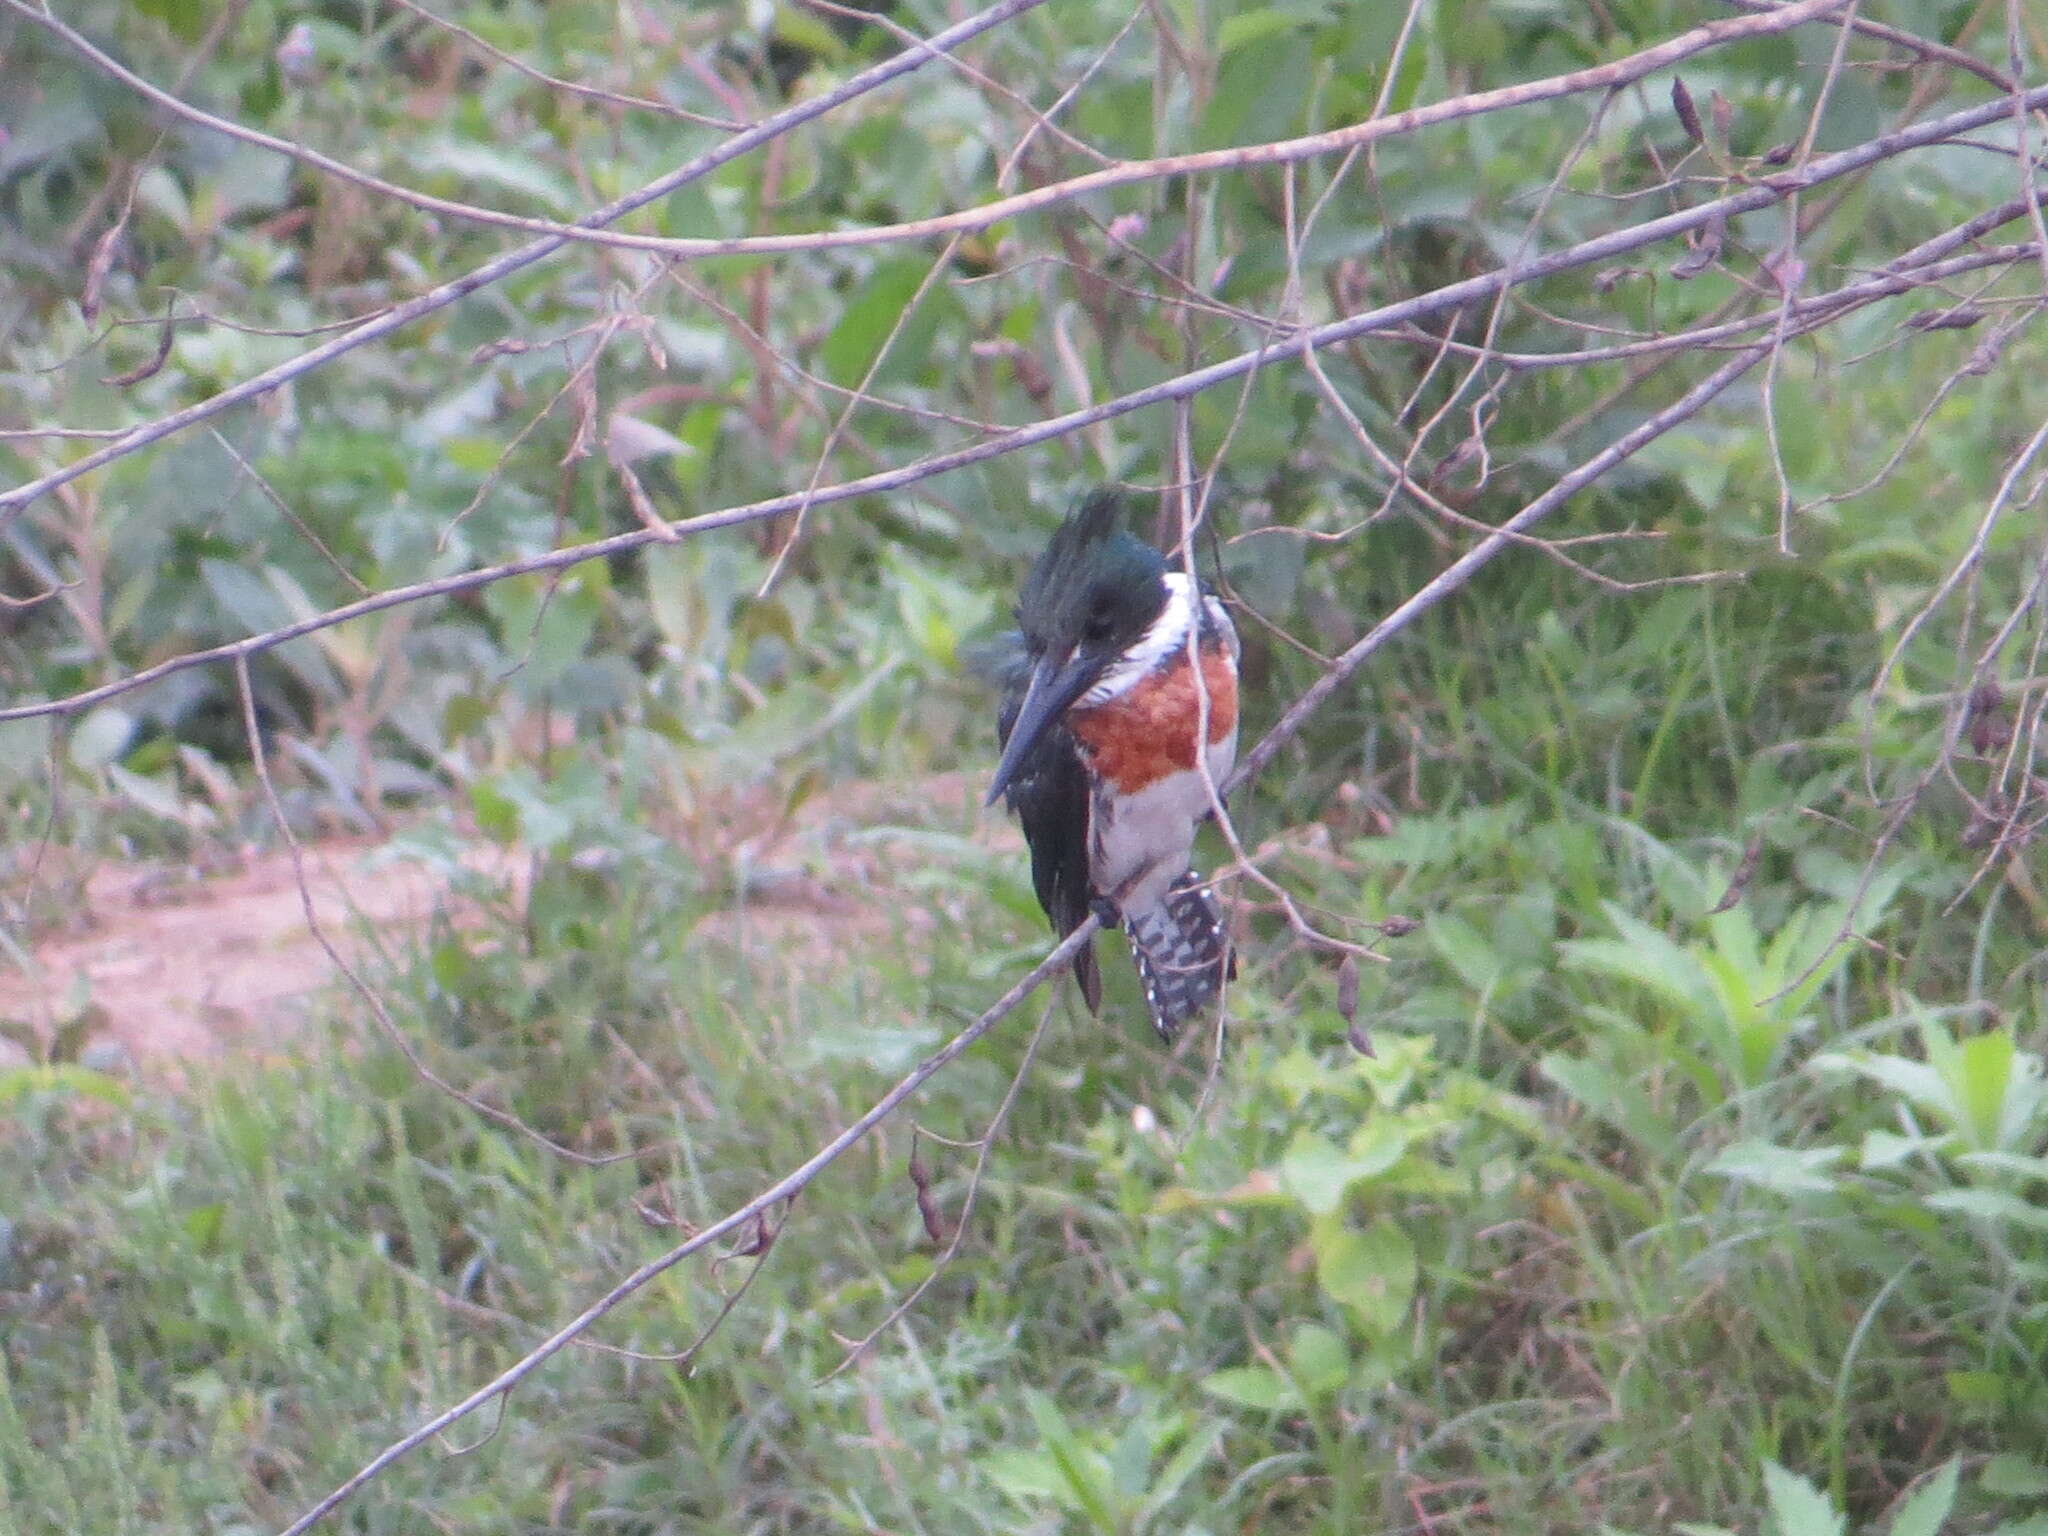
<point>1182,953</point>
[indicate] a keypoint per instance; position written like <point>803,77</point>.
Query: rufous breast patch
<point>1148,732</point>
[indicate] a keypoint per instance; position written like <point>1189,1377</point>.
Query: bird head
<point>1088,600</point>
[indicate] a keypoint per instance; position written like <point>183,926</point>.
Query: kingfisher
<point>1120,690</point>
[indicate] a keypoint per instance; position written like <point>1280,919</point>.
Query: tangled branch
<point>1385,318</point>
<point>1738,341</point>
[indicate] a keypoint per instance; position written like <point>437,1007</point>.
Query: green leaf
<point>1186,1462</point>
<point>2019,1165</point>
<point>1251,26</point>
<point>258,607</point>
<point>1471,955</point>
<point>1130,1459</point>
<point>1253,1386</point>
<point>1645,957</point>
<point>2011,1475</point>
<point>1315,1172</point>
<point>1980,1074</point>
<point>1266,572</point>
<point>1885,1149</point>
<point>66,1077</point>
<point>1786,1170</point>
<point>1259,90</point>
<point>1319,1359</point>
<point>1384,1139</point>
<point>1371,1272</point>
<point>871,315</point>
<point>1924,1513</point>
<point>1976,1389</point>
<point>245,595</point>
<point>203,1223</point>
<point>504,169</point>
<point>156,794</point>
<point>879,1047</point>
<point>101,737</point>
<point>1797,1507</point>
<point>497,816</point>
<point>186,18</point>
<point>1993,1205</point>
<point>1619,1101</point>
<point>1911,1079</point>
<point>1082,1469</point>
<point>545,624</point>
<point>1027,1475</point>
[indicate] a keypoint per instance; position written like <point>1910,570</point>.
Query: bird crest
<point>1097,585</point>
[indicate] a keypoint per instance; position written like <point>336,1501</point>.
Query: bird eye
<point>1097,628</point>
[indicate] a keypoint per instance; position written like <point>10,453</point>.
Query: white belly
<point>1139,844</point>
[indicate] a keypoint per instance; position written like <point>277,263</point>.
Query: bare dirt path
<point>183,965</point>
<point>179,965</point>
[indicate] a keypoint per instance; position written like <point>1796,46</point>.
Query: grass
<point>1608,1230</point>
<point>1657,1211</point>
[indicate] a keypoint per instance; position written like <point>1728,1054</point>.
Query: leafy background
<point>1654,1210</point>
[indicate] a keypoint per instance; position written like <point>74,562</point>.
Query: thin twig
<point>790,1184</point>
<point>1447,582</point>
<point>1771,190</point>
<point>399,316</point>
<point>1600,77</point>
<point>569,87</point>
<point>1385,317</point>
<point>1468,565</point>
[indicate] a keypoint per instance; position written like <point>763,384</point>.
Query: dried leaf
<point>1706,250</point>
<point>98,265</point>
<point>629,439</point>
<point>1723,114</point>
<point>583,391</point>
<point>927,1207</point>
<point>1958,317</point>
<point>1787,267</point>
<point>1990,725</point>
<point>145,370</point>
<point>1744,873</point>
<point>759,1242</point>
<point>1688,114</point>
<point>1347,989</point>
<point>644,509</point>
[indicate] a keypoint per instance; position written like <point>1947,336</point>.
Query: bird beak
<point>1055,684</point>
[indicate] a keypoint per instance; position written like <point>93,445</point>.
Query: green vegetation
<point>1696,1182</point>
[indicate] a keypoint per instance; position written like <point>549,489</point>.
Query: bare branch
<point>1600,77</point>
<point>1384,318</point>
<point>1468,565</point>
<point>789,1185</point>
<point>1898,37</point>
<point>569,87</point>
<point>1452,296</point>
<point>399,316</point>
<point>792,1183</point>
